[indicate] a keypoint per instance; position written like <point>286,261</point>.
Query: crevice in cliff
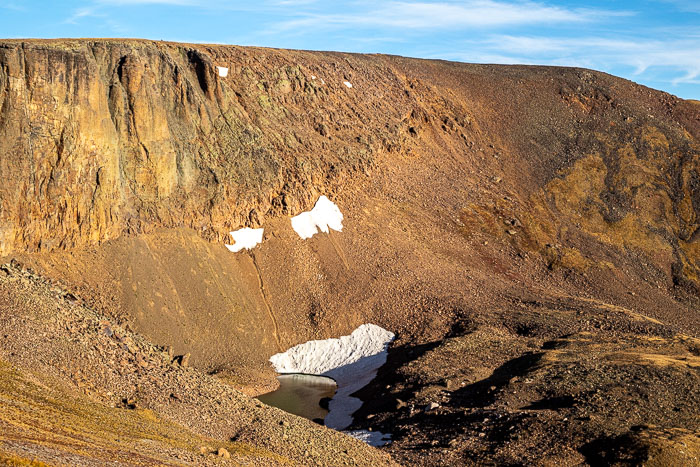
<point>201,70</point>
<point>97,187</point>
<point>111,105</point>
<point>28,128</point>
<point>120,68</point>
<point>4,85</point>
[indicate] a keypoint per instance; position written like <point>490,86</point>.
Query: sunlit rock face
<point>104,137</point>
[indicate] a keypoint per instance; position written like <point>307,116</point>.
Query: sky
<point>652,42</point>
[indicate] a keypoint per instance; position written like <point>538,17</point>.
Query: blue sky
<point>653,42</point>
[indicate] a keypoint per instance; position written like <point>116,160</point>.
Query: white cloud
<point>690,6</point>
<point>12,6</point>
<point>448,15</point>
<point>294,2</point>
<point>150,2</point>
<point>472,13</point>
<point>83,13</point>
<point>96,8</point>
<point>679,57</point>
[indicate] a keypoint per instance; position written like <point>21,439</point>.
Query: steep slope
<point>77,388</point>
<point>531,203</point>
<point>114,136</point>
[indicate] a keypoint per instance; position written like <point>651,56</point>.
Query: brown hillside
<point>505,221</point>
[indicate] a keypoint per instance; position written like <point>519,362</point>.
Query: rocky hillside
<point>503,221</point>
<point>76,388</point>
<point>100,138</point>
<point>105,137</point>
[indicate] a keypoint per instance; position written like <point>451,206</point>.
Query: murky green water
<point>301,395</point>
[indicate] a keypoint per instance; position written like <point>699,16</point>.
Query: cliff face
<point>577,172</point>
<point>101,137</point>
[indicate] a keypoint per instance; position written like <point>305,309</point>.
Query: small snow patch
<point>352,361</point>
<point>347,83</point>
<point>325,215</point>
<point>245,238</point>
<point>313,77</point>
<point>373,438</point>
<point>223,71</point>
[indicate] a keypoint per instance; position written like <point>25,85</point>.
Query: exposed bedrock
<point>101,137</point>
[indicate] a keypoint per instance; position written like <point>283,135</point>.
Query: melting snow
<point>245,238</point>
<point>352,361</point>
<point>324,215</point>
<point>373,438</point>
<point>223,71</point>
<point>347,83</point>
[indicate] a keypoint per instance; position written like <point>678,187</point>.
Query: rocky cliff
<point>104,137</point>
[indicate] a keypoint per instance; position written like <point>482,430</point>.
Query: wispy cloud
<point>294,2</point>
<point>150,2</point>
<point>96,9</point>
<point>449,15</point>
<point>690,6</point>
<point>680,58</point>
<point>83,12</point>
<point>12,6</point>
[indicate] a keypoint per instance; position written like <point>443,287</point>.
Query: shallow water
<point>301,395</point>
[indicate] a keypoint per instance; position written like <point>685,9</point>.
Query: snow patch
<point>313,77</point>
<point>323,216</point>
<point>348,84</point>
<point>373,438</point>
<point>223,71</point>
<point>352,361</point>
<point>245,238</point>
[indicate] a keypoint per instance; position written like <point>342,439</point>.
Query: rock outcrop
<point>104,137</point>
